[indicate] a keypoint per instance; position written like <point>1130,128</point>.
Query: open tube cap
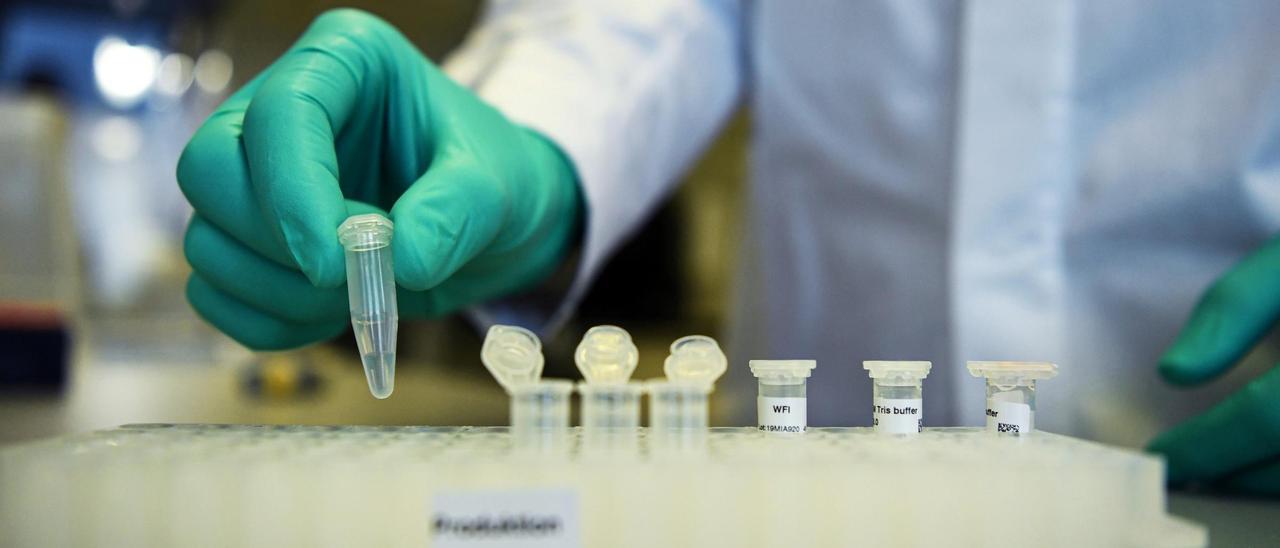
<point>513,355</point>
<point>1025,370</point>
<point>606,355</point>
<point>695,359</point>
<point>886,369</point>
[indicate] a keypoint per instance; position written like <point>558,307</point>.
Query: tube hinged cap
<point>695,359</point>
<point>606,355</point>
<point>1024,370</point>
<point>888,369</point>
<point>782,371</point>
<point>513,355</point>
<point>367,231</point>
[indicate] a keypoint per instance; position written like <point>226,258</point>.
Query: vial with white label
<point>782,405</point>
<point>1011,393</point>
<point>897,399</point>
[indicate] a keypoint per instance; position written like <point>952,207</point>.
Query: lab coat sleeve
<point>631,91</point>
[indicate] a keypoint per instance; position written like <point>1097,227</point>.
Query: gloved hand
<point>1236,444</point>
<point>353,119</point>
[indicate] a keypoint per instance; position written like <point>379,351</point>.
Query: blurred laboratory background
<point>97,99</point>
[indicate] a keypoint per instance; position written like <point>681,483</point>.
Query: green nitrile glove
<point>354,119</point>
<point>1237,442</point>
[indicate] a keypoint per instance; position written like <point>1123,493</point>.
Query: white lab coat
<point>930,180</point>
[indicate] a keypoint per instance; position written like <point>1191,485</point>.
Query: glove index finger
<point>1241,430</point>
<point>290,131</point>
<point>1231,317</point>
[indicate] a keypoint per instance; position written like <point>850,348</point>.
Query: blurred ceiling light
<point>116,138</point>
<point>175,74</point>
<point>124,72</point>
<point>213,71</point>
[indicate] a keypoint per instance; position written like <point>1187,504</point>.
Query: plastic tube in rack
<point>371,290</point>
<point>607,357</point>
<point>678,410</point>
<point>782,406</point>
<point>897,404</point>
<point>540,414</point>
<point>677,406</point>
<point>610,406</point>
<point>679,402</point>
<point>539,407</point>
<point>543,404</point>
<point>1011,393</point>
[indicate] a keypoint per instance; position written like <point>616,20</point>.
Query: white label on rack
<point>505,518</point>
<point>897,416</point>
<point>783,415</point>
<point>1008,417</point>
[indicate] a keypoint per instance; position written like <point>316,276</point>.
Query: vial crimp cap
<point>695,359</point>
<point>1013,369</point>
<point>606,355</point>
<point>513,355</point>
<point>899,370</point>
<point>782,371</point>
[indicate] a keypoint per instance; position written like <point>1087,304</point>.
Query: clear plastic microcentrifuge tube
<point>371,290</point>
<point>540,412</point>
<point>677,406</point>
<point>679,402</point>
<point>897,404</point>
<point>610,403</point>
<point>539,407</point>
<point>782,405</point>
<point>606,406</point>
<point>678,416</point>
<point>1011,393</point>
<point>541,404</point>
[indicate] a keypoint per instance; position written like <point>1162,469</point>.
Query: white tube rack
<point>221,485</point>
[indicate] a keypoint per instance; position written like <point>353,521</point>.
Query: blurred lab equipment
<point>39,270</point>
